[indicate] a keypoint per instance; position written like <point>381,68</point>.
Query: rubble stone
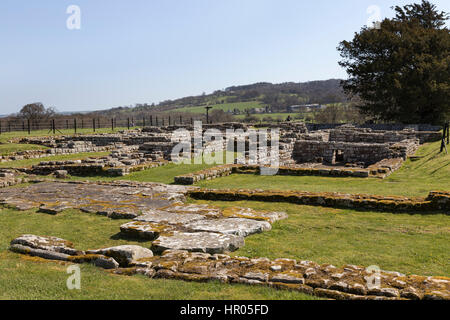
<point>125,255</point>
<point>207,242</point>
<point>237,226</point>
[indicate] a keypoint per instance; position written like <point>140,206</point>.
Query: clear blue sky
<point>138,51</point>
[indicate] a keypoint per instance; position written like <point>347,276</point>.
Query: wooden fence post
<point>444,134</point>
<point>448,132</point>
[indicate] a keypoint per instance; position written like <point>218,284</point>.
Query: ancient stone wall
<point>380,126</point>
<point>438,202</point>
<point>349,282</point>
<point>371,136</point>
<point>332,152</point>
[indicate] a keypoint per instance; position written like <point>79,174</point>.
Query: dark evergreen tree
<point>401,71</point>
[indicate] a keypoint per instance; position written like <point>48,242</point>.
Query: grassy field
<point>415,178</point>
<point>164,174</point>
<point>23,277</point>
<point>30,162</point>
<point>241,106</point>
<point>412,244</point>
<point>278,116</point>
<point>9,148</point>
<point>417,244</point>
<point>6,136</point>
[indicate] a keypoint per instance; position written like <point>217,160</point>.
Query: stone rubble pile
<point>120,162</point>
<point>54,248</point>
<point>10,177</point>
<point>60,149</point>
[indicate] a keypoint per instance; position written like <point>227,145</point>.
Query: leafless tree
<point>36,113</point>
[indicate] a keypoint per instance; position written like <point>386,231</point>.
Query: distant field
<point>30,162</point>
<point>6,136</point>
<point>6,149</point>
<point>275,116</point>
<point>225,107</point>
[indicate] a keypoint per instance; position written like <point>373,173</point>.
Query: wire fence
<point>93,124</point>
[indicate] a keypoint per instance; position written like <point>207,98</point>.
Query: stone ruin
<point>349,282</point>
<point>191,241</point>
<point>372,152</point>
<point>158,212</point>
<point>350,145</point>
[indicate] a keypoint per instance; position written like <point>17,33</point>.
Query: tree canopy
<point>36,112</point>
<point>401,70</point>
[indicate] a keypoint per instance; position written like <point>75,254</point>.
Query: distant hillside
<point>277,97</point>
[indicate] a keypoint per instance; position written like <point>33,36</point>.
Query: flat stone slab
<point>53,209</point>
<point>125,255</point>
<point>124,200</point>
<point>248,213</point>
<point>207,242</point>
<point>160,216</point>
<point>45,254</point>
<point>202,209</point>
<point>52,244</point>
<point>236,226</point>
<point>145,230</point>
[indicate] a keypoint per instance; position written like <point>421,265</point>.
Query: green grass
<point>6,136</point>
<point>225,107</point>
<point>412,244</point>
<point>30,162</point>
<point>415,178</point>
<point>28,278</point>
<point>9,148</point>
<point>164,174</point>
<point>274,116</point>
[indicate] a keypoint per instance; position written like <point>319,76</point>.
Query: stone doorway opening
<point>338,156</point>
